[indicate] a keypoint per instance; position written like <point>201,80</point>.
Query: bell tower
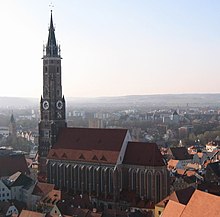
<point>52,103</point>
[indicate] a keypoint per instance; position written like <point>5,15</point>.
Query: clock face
<point>59,104</point>
<point>45,104</point>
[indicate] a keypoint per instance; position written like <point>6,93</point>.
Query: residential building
<point>201,204</point>
<point>5,193</point>
<point>8,208</point>
<point>181,154</point>
<point>180,197</point>
<point>11,162</point>
<point>20,186</point>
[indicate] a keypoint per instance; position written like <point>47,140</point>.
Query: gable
<point>109,157</point>
<point>12,210</point>
<point>2,185</point>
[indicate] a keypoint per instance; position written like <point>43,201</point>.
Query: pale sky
<point>112,47</point>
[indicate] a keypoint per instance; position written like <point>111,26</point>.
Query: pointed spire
<point>51,47</point>
<point>12,119</point>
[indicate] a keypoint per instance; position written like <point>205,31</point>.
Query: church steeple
<point>52,102</point>
<point>52,49</point>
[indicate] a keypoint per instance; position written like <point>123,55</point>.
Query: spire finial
<point>51,48</point>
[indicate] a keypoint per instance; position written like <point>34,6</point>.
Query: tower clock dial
<point>46,105</point>
<point>59,104</point>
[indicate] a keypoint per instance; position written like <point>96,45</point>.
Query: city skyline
<point>113,48</point>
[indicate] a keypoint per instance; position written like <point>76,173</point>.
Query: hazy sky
<point>113,47</point>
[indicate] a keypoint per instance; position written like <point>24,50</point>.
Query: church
<point>103,163</point>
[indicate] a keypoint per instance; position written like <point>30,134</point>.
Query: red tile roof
<point>27,213</point>
<point>144,154</point>
<point>91,139</point>
<point>88,144</point>
<point>180,153</point>
<point>52,197</point>
<point>172,163</point>
<point>42,189</point>
<point>202,204</point>
<point>10,164</point>
<point>173,209</point>
<point>181,196</point>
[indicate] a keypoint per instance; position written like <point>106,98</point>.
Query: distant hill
<point>151,100</point>
<point>203,100</point>
<point>18,102</point>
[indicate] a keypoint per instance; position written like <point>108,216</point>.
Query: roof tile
<point>142,153</point>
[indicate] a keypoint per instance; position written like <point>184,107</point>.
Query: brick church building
<point>100,162</point>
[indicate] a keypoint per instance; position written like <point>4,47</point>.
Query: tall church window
<point>111,181</point>
<point>53,172</point>
<point>91,177</point>
<point>142,183</point>
<point>125,179</point>
<point>68,176</point>
<point>76,177</point>
<point>103,180</point>
<point>158,187</point>
<point>94,180</point>
<point>130,179</point>
<point>107,179</point>
<point>83,178</point>
<point>61,175</point>
<point>99,179</point>
<point>120,178</point>
<point>56,174</point>
<point>149,185</point>
<point>133,180</point>
<point>72,177</point>
<point>87,179</point>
